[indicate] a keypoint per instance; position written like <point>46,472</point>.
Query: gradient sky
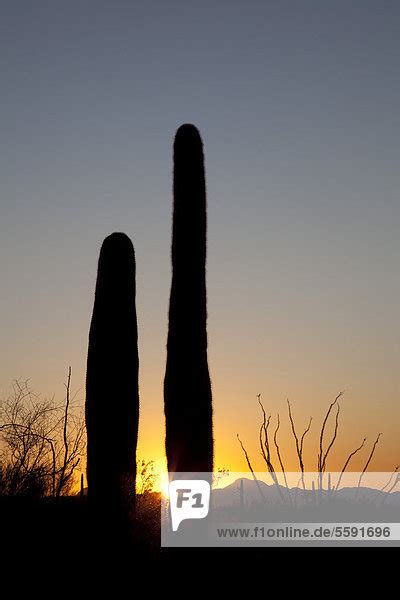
<point>298,106</point>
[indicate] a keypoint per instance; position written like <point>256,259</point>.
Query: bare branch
<point>396,481</point>
<point>267,453</point>
<point>390,479</point>
<point>280,458</point>
<point>39,447</point>
<point>65,437</point>
<point>251,468</point>
<point>299,445</point>
<point>347,462</point>
<point>304,434</point>
<point>332,441</point>
<point>321,437</point>
<point>369,460</point>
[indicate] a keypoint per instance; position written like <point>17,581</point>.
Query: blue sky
<point>297,104</point>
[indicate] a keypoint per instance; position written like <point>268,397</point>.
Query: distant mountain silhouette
<point>229,496</point>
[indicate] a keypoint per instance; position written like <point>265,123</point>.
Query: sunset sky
<point>298,106</point>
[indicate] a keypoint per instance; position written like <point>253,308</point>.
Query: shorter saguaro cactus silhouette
<point>112,395</point>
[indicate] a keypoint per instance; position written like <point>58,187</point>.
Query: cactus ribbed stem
<point>112,396</point>
<point>187,386</point>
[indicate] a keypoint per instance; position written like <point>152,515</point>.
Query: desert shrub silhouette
<point>187,386</point>
<point>112,391</point>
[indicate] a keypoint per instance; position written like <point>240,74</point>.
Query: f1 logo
<point>189,499</point>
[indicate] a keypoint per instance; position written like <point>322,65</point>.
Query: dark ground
<point>60,541</point>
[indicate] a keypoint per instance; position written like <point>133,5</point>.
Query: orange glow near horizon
<point>229,455</point>
<point>351,431</point>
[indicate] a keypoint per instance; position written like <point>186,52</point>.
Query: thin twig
<point>61,481</point>
<point>347,462</point>
<point>391,477</point>
<point>251,469</point>
<point>299,445</point>
<point>321,437</point>
<point>267,453</point>
<point>304,434</point>
<point>382,495</point>
<point>280,458</point>
<point>368,461</point>
<point>333,439</point>
<point>396,481</point>
<point>321,440</point>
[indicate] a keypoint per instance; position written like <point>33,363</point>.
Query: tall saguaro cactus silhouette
<point>112,394</point>
<point>187,386</point>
